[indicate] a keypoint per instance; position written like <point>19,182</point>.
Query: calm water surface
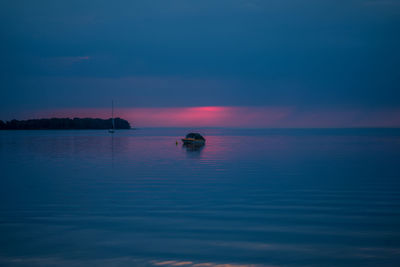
<point>248,198</point>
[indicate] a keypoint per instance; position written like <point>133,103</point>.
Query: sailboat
<point>112,130</point>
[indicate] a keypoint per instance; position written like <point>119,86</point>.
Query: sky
<point>227,63</point>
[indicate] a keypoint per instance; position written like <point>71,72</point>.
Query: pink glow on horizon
<point>199,116</point>
<point>251,117</point>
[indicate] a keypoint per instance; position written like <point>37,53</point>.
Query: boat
<point>112,130</point>
<point>194,139</point>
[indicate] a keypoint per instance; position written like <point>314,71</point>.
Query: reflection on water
<point>250,198</point>
<point>193,150</point>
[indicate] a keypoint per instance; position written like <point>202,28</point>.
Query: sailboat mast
<point>112,113</point>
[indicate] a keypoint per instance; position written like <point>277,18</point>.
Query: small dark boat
<point>194,139</point>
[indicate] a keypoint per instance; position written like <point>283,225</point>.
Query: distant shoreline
<point>64,124</point>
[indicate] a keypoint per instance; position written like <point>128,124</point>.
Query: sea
<point>249,197</point>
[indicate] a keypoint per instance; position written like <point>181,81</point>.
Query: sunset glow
<point>242,117</point>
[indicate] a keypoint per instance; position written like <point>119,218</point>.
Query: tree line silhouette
<point>64,124</point>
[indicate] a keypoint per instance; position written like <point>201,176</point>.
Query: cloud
<point>54,61</point>
<point>221,53</point>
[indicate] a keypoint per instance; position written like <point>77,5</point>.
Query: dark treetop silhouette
<point>63,123</point>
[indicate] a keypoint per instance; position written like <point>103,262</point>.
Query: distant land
<point>64,124</point>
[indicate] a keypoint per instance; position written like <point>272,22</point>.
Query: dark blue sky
<point>308,54</point>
